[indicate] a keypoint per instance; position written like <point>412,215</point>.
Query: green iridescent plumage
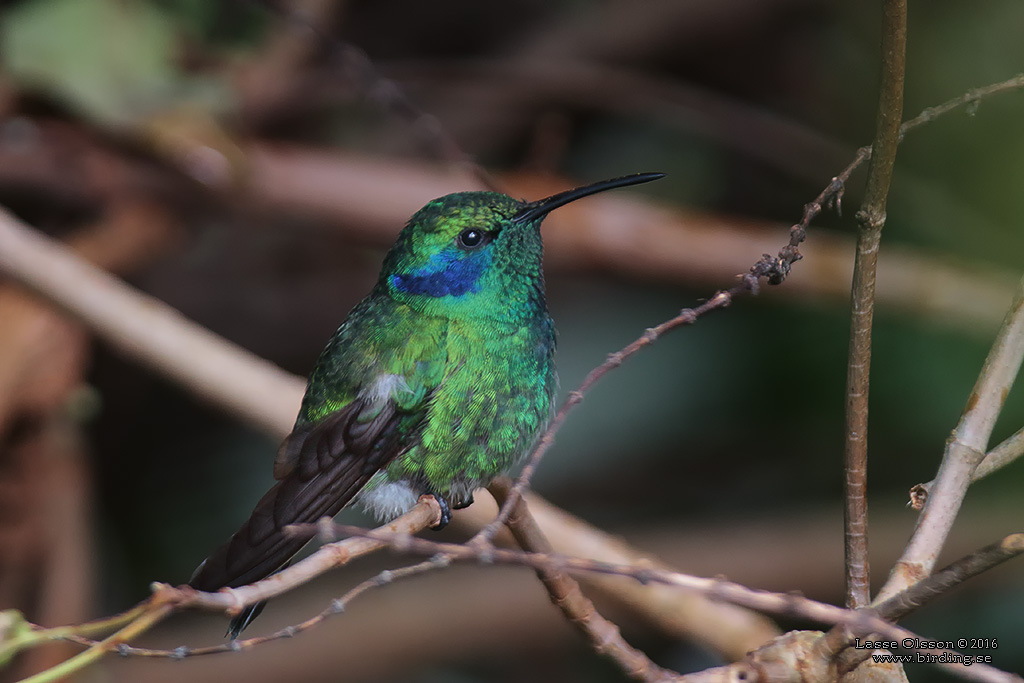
<point>438,381</point>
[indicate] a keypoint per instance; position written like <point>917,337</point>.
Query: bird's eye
<point>472,238</point>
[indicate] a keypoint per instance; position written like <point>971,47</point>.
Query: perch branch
<point>232,600</point>
<point>855,623</point>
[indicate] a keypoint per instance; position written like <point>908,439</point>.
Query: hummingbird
<point>440,380</point>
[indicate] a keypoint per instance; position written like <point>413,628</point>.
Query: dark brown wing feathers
<point>322,466</point>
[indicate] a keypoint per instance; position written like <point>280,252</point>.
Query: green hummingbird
<point>438,381</point>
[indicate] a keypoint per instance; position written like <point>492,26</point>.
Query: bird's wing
<point>326,464</point>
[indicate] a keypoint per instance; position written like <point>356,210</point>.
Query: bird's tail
<point>261,546</point>
<point>321,468</point>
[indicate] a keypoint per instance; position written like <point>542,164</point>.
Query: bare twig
<point>337,606</point>
<point>146,620</point>
<point>1001,456</point>
<point>997,458</point>
<point>943,581</point>
<point>969,98</point>
<point>964,451</point>
<point>871,218</point>
<point>909,584</point>
<point>565,593</point>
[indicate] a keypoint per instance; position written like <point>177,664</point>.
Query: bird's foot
<point>446,511</point>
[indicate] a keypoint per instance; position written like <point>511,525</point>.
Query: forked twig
<point>964,451</point>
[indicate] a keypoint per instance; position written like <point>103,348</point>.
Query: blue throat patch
<point>445,274</point>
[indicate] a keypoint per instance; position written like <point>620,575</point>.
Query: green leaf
<point>110,59</point>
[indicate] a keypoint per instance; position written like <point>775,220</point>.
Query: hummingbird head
<point>478,254</point>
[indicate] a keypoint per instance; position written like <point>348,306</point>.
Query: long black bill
<point>538,209</point>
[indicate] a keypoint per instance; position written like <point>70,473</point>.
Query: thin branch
<point>16,634</point>
<point>945,580</point>
<point>871,218</point>
<point>860,623</point>
<point>968,99</point>
<point>146,620</point>
<point>565,593</point>
<point>337,606</point>
<point>1001,456</point>
<point>964,451</point>
<point>997,458</point>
